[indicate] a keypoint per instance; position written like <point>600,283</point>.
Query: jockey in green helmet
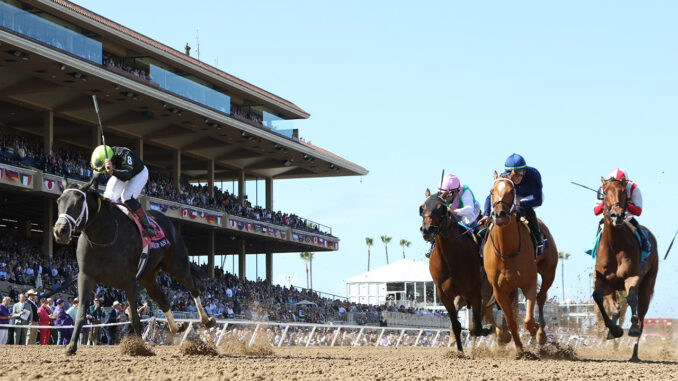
<point>128,178</point>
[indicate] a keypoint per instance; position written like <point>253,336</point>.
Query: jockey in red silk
<point>128,178</point>
<point>634,203</point>
<point>528,186</point>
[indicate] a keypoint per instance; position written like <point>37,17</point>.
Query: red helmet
<point>618,174</point>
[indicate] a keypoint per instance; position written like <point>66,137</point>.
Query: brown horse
<point>618,264</point>
<point>509,258</point>
<point>454,264</point>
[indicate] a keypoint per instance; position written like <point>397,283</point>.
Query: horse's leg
<point>530,297</point>
<point>477,310</point>
<point>85,287</point>
<point>504,301</point>
<point>645,291</point>
<point>601,288</point>
<point>132,302</point>
<point>631,285</point>
<point>447,300</point>
<point>151,286</point>
<point>182,273</point>
<point>547,278</point>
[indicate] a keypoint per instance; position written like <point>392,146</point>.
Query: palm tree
<point>308,258</point>
<point>563,256</point>
<point>386,239</point>
<point>369,242</point>
<point>404,243</point>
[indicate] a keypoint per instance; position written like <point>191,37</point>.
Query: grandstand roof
<point>404,270</point>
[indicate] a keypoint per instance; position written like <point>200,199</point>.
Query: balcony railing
<point>190,90</point>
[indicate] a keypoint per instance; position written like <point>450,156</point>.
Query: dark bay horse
<point>454,264</point>
<point>108,252</point>
<point>509,258</point>
<point>618,266</point>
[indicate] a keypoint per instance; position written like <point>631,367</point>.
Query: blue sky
<point>407,90</point>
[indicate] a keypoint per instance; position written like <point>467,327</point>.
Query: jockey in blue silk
<point>528,186</point>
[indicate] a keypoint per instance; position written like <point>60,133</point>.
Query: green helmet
<point>99,155</point>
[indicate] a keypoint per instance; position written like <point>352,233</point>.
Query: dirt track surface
<point>32,363</point>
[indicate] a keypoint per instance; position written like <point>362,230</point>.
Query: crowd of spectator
<point>28,152</point>
<point>113,63</point>
<point>243,115</point>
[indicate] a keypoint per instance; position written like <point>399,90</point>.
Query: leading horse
<point>454,264</point>
<point>509,258</point>
<point>108,252</point>
<point>618,265</point>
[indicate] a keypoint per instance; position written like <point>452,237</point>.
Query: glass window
<point>419,292</point>
<point>190,90</point>
<point>395,286</point>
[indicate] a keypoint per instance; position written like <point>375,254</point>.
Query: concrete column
<point>241,187</point>
<point>210,253</point>
<point>48,131</point>
<point>176,168</point>
<point>48,228</point>
<point>241,260</point>
<point>139,147</point>
<point>269,206</point>
<point>95,136</point>
<point>269,268</point>
<point>27,226</point>
<point>210,177</point>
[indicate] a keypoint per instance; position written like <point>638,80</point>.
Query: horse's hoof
<point>541,336</point>
<point>504,337</point>
<point>70,351</point>
<point>634,331</point>
<point>181,327</point>
<point>615,333</point>
<point>485,332</point>
<point>210,323</point>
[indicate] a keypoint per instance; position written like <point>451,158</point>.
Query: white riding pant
<point>118,190</point>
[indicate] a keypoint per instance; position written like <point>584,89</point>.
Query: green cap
<point>99,155</point>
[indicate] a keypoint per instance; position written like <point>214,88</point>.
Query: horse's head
<point>73,212</point>
<point>503,199</point>
<point>434,215</point>
<point>614,193</point>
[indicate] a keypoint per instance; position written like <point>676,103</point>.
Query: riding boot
<point>644,242</point>
<point>146,229</point>
<point>534,224</point>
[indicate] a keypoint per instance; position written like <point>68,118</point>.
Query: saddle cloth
<point>157,242</point>
<point>643,254</point>
<point>539,250</point>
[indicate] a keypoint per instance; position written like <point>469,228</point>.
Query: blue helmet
<point>514,162</point>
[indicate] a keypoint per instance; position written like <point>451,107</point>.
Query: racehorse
<point>618,266</point>
<point>454,264</point>
<point>109,250</point>
<point>508,257</point>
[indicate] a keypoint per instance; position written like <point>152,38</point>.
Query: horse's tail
<point>196,272</point>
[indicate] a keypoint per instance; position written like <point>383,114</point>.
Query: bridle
<point>607,206</point>
<point>74,223</point>
<point>512,205</point>
<point>434,230</point>
<point>512,211</point>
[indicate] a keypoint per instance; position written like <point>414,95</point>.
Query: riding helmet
<point>100,154</point>
<point>448,183</point>
<point>514,162</point>
<point>618,174</point>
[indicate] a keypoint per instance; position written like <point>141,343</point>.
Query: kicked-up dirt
<point>339,363</point>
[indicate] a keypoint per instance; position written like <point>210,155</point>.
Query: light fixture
<point>305,156</point>
<point>17,53</point>
<point>243,133</point>
<point>62,67</point>
<point>77,75</point>
<point>331,166</point>
<point>287,163</point>
<point>164,105</point>
<point>207,121</point>
<point>116,86</point>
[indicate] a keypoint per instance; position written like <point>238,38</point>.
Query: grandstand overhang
<point>52,80</point>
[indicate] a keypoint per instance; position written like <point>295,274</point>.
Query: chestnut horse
<point>618,265</point>
<point>454,264</point>
<point>509,258</point>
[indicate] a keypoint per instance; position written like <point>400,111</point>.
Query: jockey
<point>528,186</point>
<point>634,202</point>
<point>128,177</point>
<point>460,201</point>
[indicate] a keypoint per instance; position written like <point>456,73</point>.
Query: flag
<point>2,172</point>
<point>295,236</point>
<point>219,220</point>
<point>315,240</point>
<point>257,228</point>
<point>184,212</point>
<point>308,239</point>
<point>232,223</point>
<point>283,235</point>
<point>211,219</point>
<point>270,231</point>
<point>202,214</point>
<point>12,175</point>
<point>163,207</point>
<point>154,206</point>
<point>241,225</point>
<point>263,229</point>
<point>194,214</point>
<point>49,184</point>
<point>26,179</point>
<point>249,227</point>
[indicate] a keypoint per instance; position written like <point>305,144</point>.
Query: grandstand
<point>190,122</point>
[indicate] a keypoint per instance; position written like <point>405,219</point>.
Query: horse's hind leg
<point>645,291</point>
<point>183,275</point>
<point>530,297</point>
<point>154,291</point>
<point>85,287</point>
<point>131,292</point>
<point>546,282</point>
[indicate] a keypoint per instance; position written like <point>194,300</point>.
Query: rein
<point>512,206</point>
<point>83,218</point>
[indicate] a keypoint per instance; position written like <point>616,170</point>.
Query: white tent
<point>405,282</point>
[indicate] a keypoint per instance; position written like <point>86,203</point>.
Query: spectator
<point>62,319</point>
<point>97,313</point>
<point>32,334</point>
<point>112,317</point>
<point>21,312</point>
<point>5,316</point>
<point>44,319</point>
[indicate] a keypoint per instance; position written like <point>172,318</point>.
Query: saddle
<point>643,254</point>
<point>539,250</point>
<point>147,243</point>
